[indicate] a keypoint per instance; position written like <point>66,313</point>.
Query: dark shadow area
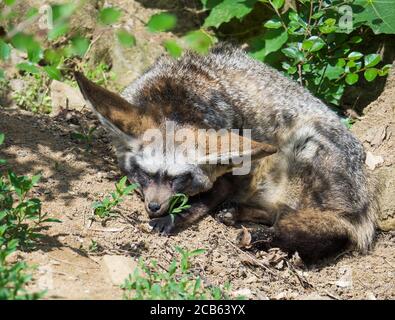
<point>189,13</point>
<point>35,142</point>
<point>360,95</point>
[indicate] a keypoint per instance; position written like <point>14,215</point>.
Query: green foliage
<point>199,41</point>
<point>100,74</point>
<point>126,39</point>
<point>225,10</point>
<point>104,209</point>
<point>161,22</point>
<point>21,220</point>
<point>178,203</point>
<point>178,282</point>
<point>109,15</point>
<point>173,48</point>
<point>379,15</point>
<point>310,44</point>
<point>86,136</point>
<point>35,94</point>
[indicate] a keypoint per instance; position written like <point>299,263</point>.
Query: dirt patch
<point>377,132</point>
<point>75,176</point>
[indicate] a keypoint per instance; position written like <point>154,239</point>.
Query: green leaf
<point>270,41</point>
<point>61,12</point>
<point>196,252</point>
<point>28,44</point>
<point>313,44</point>
<point>384,70</point>
<point>294,53</point>
<point>274,23</point>
<point>109,15</point>
<point>126,39</point>
<point>333,72</point>
<point>9,2</point>
<point>53,72</point>
<point>328,26</point>
<point>173,48</point>
<point>356,39</point>
<point>32,12</point>
<point>161,22</point>
<point>370,74</point>
<point>52,57</point>
<point>277,3</point>
<point>379,15</point>
<point>226,10</point>
<point>372,59</point>
<point>58,31</point>
<point>2,138</point>
<point>5,50</point>
<point>355,55</point>
<point>352,78</point>
<point>198,41</point>
<point>28,67</point>
<point>80,45</point>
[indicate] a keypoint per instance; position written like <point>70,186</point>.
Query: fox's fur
<point>314,191</point>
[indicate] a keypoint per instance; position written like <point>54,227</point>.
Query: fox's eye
<point>142,178</point>
<point>181,182</point>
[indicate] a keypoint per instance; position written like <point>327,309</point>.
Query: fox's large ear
<point>232,149</point>
<point>121,117</point>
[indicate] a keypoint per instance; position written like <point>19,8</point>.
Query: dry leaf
<point>244,238</point>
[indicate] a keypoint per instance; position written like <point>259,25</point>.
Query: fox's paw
<point>227,216</point>
<point>163,225</point>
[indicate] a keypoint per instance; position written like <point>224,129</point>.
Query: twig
<point>93,42</point>
<point>332,295</point>
<point>303,281</point>
<point>248,255</point>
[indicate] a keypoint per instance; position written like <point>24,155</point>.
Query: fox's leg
<point>312,233</point>
<point>201,205</point>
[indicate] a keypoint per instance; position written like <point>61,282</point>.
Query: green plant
<point>99,74</point>
<point>21,220</point>
<point>85,136</point>
<point>94,247</point>
<point>104,209</point>
<point>35,94</point>
<point>312,42</point>
<point>176,283</point>
<point>178,203</point>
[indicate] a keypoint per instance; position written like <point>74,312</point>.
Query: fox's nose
<point>154,206</point>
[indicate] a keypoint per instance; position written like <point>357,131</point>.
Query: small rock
<point>119,268</point>
<point>64,96</point>
<point>370,296</point>
<point>345,280</point>
<point>313,296</point>
<point>244,292</point>
<point>372,161</point>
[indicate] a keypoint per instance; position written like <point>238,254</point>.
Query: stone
<point>119,268</point>
<point>65,97</point>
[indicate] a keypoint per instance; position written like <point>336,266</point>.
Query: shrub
<point>21,220</point>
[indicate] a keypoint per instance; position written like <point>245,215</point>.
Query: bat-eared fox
<point>306,183</point>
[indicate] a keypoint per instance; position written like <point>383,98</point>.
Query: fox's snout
<point>155,209</point>
<point>157,199</point>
